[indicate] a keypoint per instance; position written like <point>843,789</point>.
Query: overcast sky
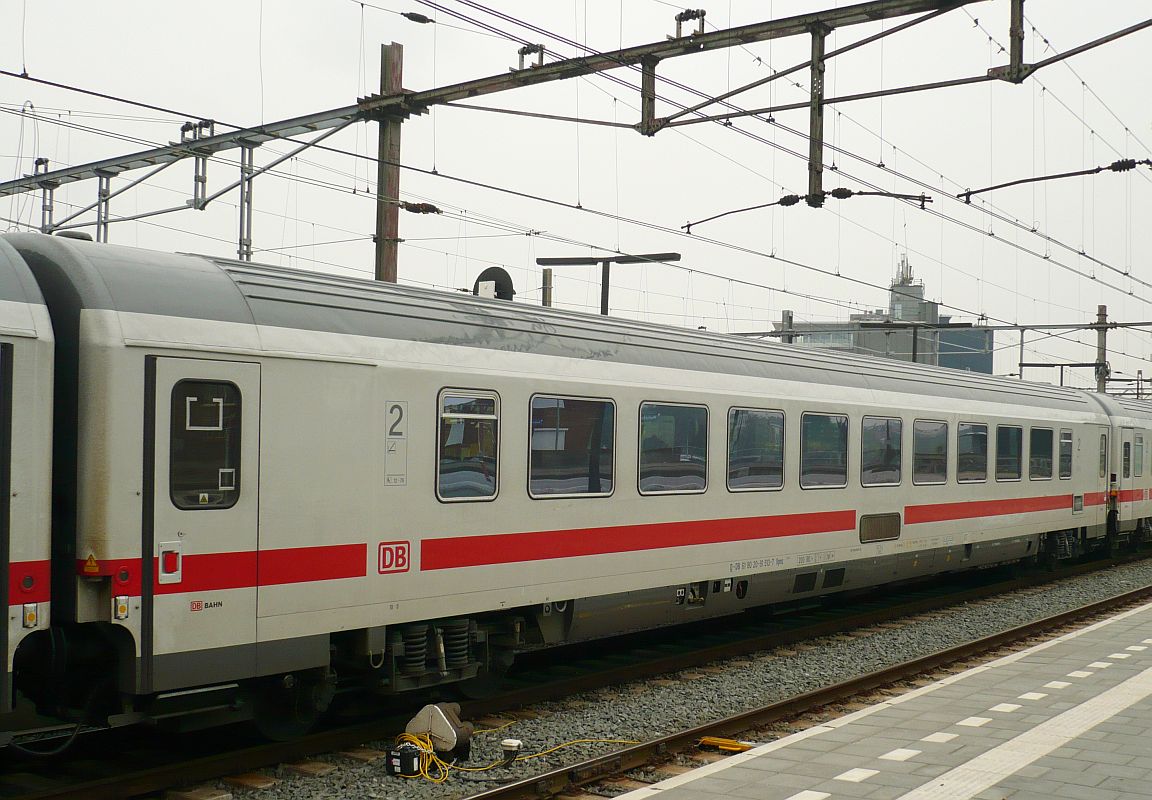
<point>1040,254</point>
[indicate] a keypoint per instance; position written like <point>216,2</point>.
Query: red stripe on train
<point>1130,495</point>
<point>940,512</point>
<point>29,582</point>
<point>240,570</point>
<point>508,548</point>
<point>301,564</point>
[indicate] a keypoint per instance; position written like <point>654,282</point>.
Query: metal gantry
<point>389,108</point>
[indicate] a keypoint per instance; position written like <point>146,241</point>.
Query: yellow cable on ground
<point>437,770</point>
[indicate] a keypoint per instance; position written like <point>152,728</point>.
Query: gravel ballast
<point>645,710</point>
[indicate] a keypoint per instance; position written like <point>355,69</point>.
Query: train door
<point>199,607</point>
<point>1126,479</point>
<point>1102,468</point>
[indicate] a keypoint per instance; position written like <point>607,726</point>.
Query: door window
<point>204,468</point>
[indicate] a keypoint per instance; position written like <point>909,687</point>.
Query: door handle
<point>171,560</point>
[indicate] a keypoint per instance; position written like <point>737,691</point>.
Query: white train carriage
<point>26,352</point>
<point>281,476</point>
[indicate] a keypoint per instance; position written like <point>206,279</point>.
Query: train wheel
<point>289,706</point>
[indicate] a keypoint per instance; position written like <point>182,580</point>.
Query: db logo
<point>393,557</point>
<point>197,605</point>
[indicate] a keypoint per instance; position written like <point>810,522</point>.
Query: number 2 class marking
<point>396,428</point>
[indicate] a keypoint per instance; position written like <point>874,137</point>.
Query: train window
<point>1040,454</point>
<point>673,448</point>
<point>880,451</point>
<point>929,451</point>
<point>1103,454</point>
<point>204,462</point>
<point>1009,452</point>
<point>823,451</point>
<point>972,452</point>
<point>755,449</point>
<point>1127,453</point>
<point>1138,456</point>
<point>572,446</point>
<point>1065,453</point>
<point>468,446</point>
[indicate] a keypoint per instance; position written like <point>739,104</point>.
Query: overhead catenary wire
<point>878,287</point>
<point>754,136</point>
<point>626,219</point>
<point>1031,229</point>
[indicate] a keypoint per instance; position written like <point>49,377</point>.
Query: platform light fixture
<point>606,263</point>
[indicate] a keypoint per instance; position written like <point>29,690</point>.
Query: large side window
<point>1009,452</point>
<point>1138,455</point>
<point>823,451</point>
<point>1065,453</point>
<point>468,446</point>
<point>673,448</point>
<point>972,452</point>
<point>929,451</point>
<point>1040,454</point>
<point>572,446</point>
<point>880,451</point>
<point>204,464</point>
<point>755,449</point>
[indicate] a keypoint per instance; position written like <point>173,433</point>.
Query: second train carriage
<point>277,475</point>
<point>26,359</point>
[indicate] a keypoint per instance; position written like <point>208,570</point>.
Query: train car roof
<point>101,276</point>
<point>16,282</point>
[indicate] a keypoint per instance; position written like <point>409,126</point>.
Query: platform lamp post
<point>606,263</point>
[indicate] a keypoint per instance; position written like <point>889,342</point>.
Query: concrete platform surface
<point>1068,718</point>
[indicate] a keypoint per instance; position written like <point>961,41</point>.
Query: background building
<point>910,329</point>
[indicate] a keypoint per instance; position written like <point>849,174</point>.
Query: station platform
<point>1068,718</point>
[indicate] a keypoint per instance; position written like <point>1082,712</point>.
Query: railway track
<point>166,768</point>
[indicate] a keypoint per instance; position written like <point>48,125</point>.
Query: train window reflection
<point>972,452</point>
<point>204,460</point>
<point>572,447</point>
<point>1040,454</point>
<point>929,452</point>
<point>1009,452</point>
<point>468,446</point>
<point>755,449</point>
<point>823,451</point>
<point>1138,456</point>
<point>1065,454</point>
<point>673,448</point>
<point>880,451</point>
<point>1103,454</point>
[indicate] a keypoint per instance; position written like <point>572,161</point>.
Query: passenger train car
<point>267,483</point>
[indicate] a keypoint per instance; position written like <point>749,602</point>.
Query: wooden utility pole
<point>388,166</point>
